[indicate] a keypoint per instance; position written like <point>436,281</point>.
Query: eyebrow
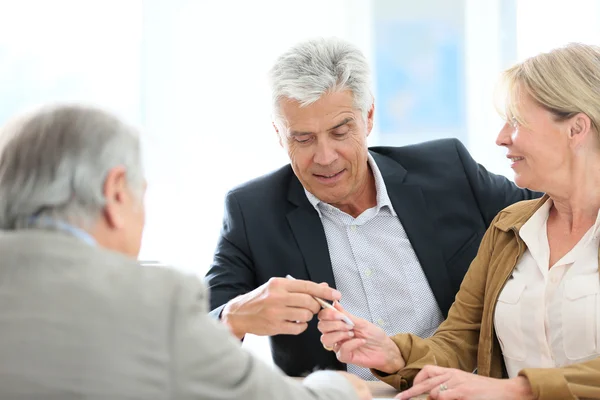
<point>300,133</point>
<point>344,122</point>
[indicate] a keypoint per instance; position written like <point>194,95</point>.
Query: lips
<point>328,176</point>
<point>515,158</point>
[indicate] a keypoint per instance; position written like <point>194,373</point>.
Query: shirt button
<point>353,227</point>
<point>368,272</point>
<point>554,279</point>
<point>380,322</point>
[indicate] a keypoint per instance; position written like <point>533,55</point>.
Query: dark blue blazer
<point>444,199</point>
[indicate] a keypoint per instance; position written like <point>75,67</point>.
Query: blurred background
<point>192,75</point>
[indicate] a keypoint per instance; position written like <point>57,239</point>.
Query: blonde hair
<point>565,81</point>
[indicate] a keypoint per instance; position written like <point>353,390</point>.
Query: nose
<point>326,153</point>
<point>504,136</point>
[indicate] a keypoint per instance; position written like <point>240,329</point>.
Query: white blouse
<point>548,318</point>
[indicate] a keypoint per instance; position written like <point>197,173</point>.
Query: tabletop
<point>379,389</point>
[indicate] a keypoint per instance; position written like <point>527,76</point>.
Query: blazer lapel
<point>409,204</point>
<point>310,236</point>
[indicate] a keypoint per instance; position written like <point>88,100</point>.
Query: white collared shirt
<point>376,269</point>
<point>550,317</point>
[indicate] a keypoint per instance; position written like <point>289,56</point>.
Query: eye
<point>514,123</point>
<point>341,132</point>
<point>303,139</point>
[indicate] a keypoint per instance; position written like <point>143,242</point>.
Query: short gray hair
<point>55,161</point>
<point>317,66</point>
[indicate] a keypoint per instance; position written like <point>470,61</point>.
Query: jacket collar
<point>515,216</point>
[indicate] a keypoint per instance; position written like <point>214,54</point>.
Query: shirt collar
<point>531,228</point>
<point>383,199</point>
<point>50,223</point>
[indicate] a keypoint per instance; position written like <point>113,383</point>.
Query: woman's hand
<point>365,344</point>
<point>450,384</point>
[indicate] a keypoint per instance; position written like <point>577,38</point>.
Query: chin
<point>520,180</point>
<point>520,184</point>
<point>329,198</point>
<point>527,184</point>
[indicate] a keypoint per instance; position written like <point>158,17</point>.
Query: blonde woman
<point>528,309</point>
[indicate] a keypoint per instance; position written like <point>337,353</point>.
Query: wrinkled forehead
<point>328,108</point>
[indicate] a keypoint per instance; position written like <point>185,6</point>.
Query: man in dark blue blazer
<point>393,229</point>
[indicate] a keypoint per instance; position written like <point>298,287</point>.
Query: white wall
<point>70,50</point>
<point>502,32</point>
<point>490,46</point>
<point>206,107</point>
<point>543,25</point>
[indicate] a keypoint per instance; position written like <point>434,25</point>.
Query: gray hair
<point>314,67</point>
<point>55,161</point>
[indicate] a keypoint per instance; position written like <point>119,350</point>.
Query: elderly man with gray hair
<point>393,229</point>
<point>79,317</point>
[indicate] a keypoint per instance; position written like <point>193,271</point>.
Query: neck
<point>577,200</point>
<point>106,238</point>
<point>363,199</point>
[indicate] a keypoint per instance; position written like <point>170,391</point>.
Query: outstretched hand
<point>365,344</point>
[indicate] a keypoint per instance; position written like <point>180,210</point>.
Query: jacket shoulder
<point>433,153</point>
<point>520,207</point>
<point>439,146</point>
<point>518,213</point>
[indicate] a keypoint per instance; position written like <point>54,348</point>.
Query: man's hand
<point>360,386</point>
<point>280,306</point>
<point>365,344</point>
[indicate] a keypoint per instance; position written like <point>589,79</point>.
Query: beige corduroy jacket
<point>467,339</point>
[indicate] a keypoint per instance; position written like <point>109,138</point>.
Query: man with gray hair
<point>79,317</point>
<point>393,229</point>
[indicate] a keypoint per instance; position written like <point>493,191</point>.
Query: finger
<point>301,300</point>
<point>336,315</point>
<point>336,346</point>
<point>346,350</point>
<point>291,328</point>
<point>293,314</point>
<point>429,371</point>
<point>434,392</point>
<point>332,338</point>
<point>313,289</point>
<point>338,306</point>
<point>430,386</point>
<point>327,314</point>
<point>333,326</point>
<point>450,394</point>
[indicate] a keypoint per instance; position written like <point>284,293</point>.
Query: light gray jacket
<point>81,322</point>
